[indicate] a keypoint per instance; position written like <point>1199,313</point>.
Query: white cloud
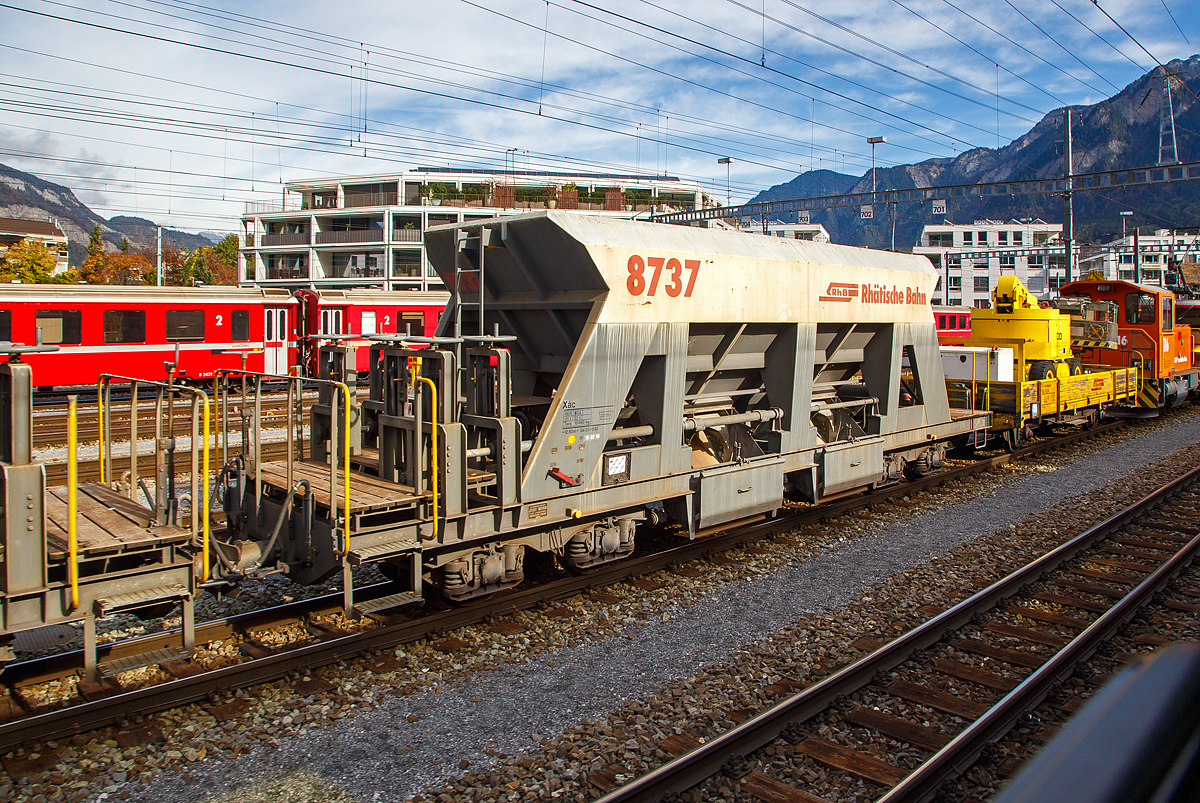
<point>184,131</point>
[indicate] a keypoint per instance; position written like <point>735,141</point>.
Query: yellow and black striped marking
<point>1148,394</point>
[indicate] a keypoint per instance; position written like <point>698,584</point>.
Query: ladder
<point>468,289</point>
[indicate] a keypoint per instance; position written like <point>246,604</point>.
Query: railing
<point>359,272</point>
<point>163,502</point>
<point>251,432</point>
<point>353,236</point>
<point>370,199</point>
<point>293,238</point>
<point>406,235</point>
<point>267,207</point>
<point>287,273</point>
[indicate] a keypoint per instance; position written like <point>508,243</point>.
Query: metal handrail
<point>100,424</point>
<point>72,500</point>
<point>433,454</point>
<point>201,525</point>
<point>295,381</point>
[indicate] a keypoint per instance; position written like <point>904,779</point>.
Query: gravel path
<point>400,747</point>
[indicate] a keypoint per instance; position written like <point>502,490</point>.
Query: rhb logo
<point>840,291</point>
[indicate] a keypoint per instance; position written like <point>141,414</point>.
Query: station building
<point>369,231</point>
<point>971,258</point>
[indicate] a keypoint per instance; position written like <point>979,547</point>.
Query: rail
<point>163,503</point>
<point>959,753</point>
<point>84,716</point>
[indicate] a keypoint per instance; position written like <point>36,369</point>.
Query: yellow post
<point>345,469</point>
<point>433,455</point>
<point>72,483</point>
<point>204,494</point>
<point>100,419</point>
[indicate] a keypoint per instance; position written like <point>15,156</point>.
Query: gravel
<point>391,747</point>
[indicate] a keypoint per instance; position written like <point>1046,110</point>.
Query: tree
<point>124,246</point>
<point>28,261</point>
<point>226,252</point>
<point>94,263</point>
<point>124,268</point>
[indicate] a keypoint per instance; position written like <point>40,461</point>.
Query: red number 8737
<point>636,283</point>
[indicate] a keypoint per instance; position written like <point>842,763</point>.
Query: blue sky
<point>181,111</point>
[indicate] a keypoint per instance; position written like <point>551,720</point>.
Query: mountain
<point>28,197</point>
<point>1118,133</point>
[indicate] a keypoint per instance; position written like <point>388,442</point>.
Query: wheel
<point>915,469</point>
<point>1041,369</point>
<point>1075,366</point>
<point>1013,439</point>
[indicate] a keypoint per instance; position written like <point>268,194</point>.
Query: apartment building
<point>813,232</point>
<point>971,258</point>
<point>1155,254</point>
<point>368,231</point>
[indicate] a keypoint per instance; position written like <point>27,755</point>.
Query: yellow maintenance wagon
<point>1018,363</point>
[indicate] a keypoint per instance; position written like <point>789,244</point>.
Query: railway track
<point>50,424</point>
<point>978,669</point>
<point>403,626</point>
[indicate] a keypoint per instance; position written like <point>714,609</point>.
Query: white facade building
<point>1115,259</point>
<point>368,231</point>
<point>813,232</point>
<point>971,258</point>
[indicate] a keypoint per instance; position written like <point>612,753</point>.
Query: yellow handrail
<point>100,417</point>
<point>345,468</point>
<point>204,495</point>
<point>72,483</point>
<point>433,455</point>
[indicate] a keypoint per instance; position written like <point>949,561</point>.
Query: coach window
<point>59,326</point>
<point>331,322</point>
<point>1168,313</point>
<point>1139,308</point>
<point>411,324</point>
<point>240,326</point>
<point>368,322</point>
<point>5,324</point>
<point>124,326</point>
<point>185,324</point>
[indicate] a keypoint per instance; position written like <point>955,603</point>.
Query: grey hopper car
<point>593,374</point>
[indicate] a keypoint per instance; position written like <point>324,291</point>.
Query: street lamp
<point>726,161</point>
<point>1124,215</point>
<point>873,142</point>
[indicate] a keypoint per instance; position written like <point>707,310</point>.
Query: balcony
<point>346,237</point>
<point>300,238</point>
<point>406,235</point>
<point>291,204</point>
<point>356,272</point>
<point>293,272</point>
<point>355,200</point>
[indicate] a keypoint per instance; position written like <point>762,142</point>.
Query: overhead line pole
<point>1068,196</point>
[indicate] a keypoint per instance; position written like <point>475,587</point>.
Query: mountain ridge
<point>25,196</point>
<point>1120,132</point>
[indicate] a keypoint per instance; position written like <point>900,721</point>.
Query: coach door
<point>275,337</point>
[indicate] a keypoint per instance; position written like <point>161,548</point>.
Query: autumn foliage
<point>181,268</point>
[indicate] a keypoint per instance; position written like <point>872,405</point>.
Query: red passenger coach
<point>363,313</point>
<point>953,324</point>
<point>133,331</point>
